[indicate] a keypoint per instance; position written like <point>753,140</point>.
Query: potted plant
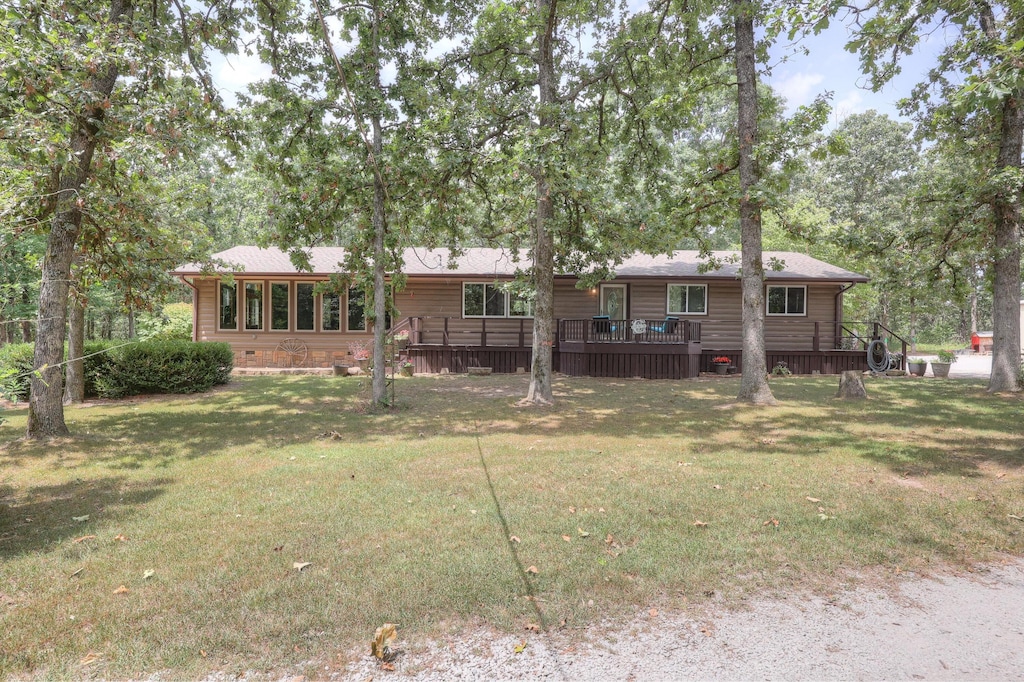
<point>360,352</point>
<point>940,367</point>
<point>401,340</point>
<point>721,364</point>
<point>406,368</point>
<point>781,369</point>
<point>917,366</point>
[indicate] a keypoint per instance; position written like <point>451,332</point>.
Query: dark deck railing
<point>599,330</point>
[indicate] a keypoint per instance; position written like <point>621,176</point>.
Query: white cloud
<point>851,103</point>
<point>233,73</point>
<point>798,88</point>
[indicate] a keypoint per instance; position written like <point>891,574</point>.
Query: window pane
<point>777,300</point>
<point>254,305</point>
<point>473,299</point>
<point>495,304</point>
<point>331,312</point>
<point>520,306</point>
<point>228,306</point>
<point>279,306</point>
<point>676,298</point>
<point>356,310</point>
<point>304,306</point>
<point>697,299</point>
<point>795,301</point>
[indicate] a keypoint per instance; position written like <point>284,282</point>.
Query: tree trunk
<point>379,224</point>
<point>74,376</point>
<point>754,382</point>
<point>1006,259</point>
<point>540,391</point>
<point>45,407</point>
<point>131,323</point>
<point>851,386</point>
<point>913,324</point>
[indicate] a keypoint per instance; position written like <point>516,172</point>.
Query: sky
<point>798,78</point>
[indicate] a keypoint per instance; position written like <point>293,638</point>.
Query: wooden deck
<point>650,349</point>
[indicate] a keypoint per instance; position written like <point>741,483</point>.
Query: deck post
<point>415,336</point>
<point>445,340</point>
<point>817,337</point>
<point>522,333</point>
<point>483,332</point>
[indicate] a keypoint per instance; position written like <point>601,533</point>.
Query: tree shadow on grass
<point>42,517</point>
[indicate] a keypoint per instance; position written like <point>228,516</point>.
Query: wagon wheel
<point>295,349</point>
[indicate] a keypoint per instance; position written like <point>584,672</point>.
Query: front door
<point>613,301</point>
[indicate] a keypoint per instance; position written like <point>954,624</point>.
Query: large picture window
<point>228,318</point>
<point>330,312</point>
<point>356,310</point>
<point>482,299</point>
<point>279,306</point>
<point>787,300</point>
<point>254,306</point>
<point>305,303</point>
<point>687,299</point>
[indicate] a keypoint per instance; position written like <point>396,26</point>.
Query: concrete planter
<point>941,369</point>
<point>917,368</point>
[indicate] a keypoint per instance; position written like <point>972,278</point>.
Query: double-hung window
<point>687,299</point>
<point>356,310</point>
<point>786,300</point>
<point>305,304</point>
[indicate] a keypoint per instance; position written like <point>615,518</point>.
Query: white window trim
<point>668,297</point>
<point>785,286</point>
<point>270,307</point>
<point>243,285</point>
<point>485,315</point>
<point>238,318</point>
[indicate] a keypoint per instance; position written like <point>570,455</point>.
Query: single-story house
<point>659,317</point>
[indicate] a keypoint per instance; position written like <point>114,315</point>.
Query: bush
<point>114,369</point>
<point>15,370</point>
<point>164,367</point>
<point>172,323</point>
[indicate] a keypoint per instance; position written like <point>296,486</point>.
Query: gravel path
<point>954,627</point>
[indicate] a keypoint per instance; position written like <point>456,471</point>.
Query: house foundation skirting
<point>278,359</point>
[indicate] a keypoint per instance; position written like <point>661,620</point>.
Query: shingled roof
<point>480,262</point>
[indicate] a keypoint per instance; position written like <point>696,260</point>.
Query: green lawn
<point>406,515</point>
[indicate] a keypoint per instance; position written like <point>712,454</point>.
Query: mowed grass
<point>625,496</point>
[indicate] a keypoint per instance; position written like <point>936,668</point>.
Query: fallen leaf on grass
<point>301,565</point>
<point>122,590</point>
<point>83,539</point>
<point>383,638</point>
<point>532,569</point>
<point>825,517</point>
<point>771,522</point>
<point>120,538</point>
<point>1001,475</point>
<point>80,519</point>
<point>567,538</point>
<point>583,533</point>
<point>699,523</point>
<point>520,648</point>
<point>717,487</point>
<point>148,574</point>
<point>812,499</point>
<point>1014,516</point>
<point>514,538</point>
<point>572,510</point>
<point>90,658</point>
<point>387,666</point>
<point>653,613</point>
<point>532,627</point>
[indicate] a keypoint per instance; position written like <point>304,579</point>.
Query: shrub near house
<point>114,369</point>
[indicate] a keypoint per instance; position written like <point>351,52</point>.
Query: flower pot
<point>941,369</point>
<point>721,368</point>
<point>406,370</point>
<point>917,368</point>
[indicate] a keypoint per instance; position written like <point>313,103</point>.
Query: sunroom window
<point>279,306</point>
<point>254,306</point>
<point>228,318</point>
<point>305,302</point>
<point>356,310</point>
<point>330,312</point>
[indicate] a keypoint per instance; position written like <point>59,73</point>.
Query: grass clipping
<point>383,638</point>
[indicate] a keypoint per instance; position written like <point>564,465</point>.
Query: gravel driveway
<point>968,626</point>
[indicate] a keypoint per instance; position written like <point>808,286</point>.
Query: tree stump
<point>851,386</point>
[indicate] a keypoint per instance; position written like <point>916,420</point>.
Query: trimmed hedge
<point>164,367</point>
<point>114,369</point>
